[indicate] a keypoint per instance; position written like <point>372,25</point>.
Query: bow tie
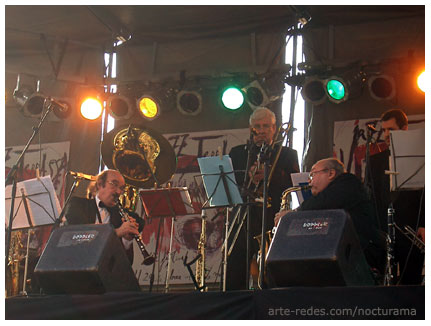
<point>103,205</point>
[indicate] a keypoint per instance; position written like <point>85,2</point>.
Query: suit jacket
<point>280,181</point>
<point>84,211</point>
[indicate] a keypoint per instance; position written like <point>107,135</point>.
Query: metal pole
<point>293,86</point>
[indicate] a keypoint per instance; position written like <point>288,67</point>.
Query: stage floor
<point>378,302</point>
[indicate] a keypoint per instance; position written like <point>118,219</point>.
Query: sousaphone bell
<point>143,156</point>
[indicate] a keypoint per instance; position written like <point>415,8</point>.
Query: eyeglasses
<point>115,184</point>
<point>312,174</point>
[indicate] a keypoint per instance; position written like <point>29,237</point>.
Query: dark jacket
<point>280,181</point>
<point>84,211</point>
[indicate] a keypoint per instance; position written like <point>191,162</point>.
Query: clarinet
<point>390,241</point>
<point>148,259</point>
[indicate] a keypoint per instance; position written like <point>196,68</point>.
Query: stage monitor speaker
<point>316,248</point>
<point>85,259</point>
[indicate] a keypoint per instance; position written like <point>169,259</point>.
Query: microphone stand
<point>12,177</point>
<point>248,208</point>
<point>367,178</point>
<point>63,211</point>
<point>264,156</point>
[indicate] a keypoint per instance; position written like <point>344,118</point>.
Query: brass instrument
<point>200,263</point>
<point>148,259</point>
<point>143,157</point>
<point>14,259</point>
<point>282,131</point>
<point>286,199</point>
<point>285,205</point>
<point>411,235</point>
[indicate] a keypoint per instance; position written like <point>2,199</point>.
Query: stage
<point>393,302</point>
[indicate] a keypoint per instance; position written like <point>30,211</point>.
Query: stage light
<point>189,102</point>
<point>31,102</point>
<point>336,89</point>
<point>313,90</point>
<point>381,87</point>
<point>232,98</point>
<point>421,81</point>
<point>149,107</point>
<point>120,107</point>
<point>91,108</point>
<point>255,95</point>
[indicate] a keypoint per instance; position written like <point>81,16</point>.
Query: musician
<point>333,188</point>
<point>409,205</point>
<point>103,208</point>
<point>262,124</point>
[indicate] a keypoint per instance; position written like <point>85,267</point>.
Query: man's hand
<point>128,230</point>
<point>256,174</point>
<point>421,234</point>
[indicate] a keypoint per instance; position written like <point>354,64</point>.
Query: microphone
<point>63,107</point>
<point>80,175</point>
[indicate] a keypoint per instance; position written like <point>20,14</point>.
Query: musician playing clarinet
<point>263,130</point>
<point>102,207</point>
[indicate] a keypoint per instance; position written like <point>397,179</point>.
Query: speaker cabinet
<point>316,248</point>
<point>85,259</point>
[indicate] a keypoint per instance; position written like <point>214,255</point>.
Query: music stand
<point>406,171</point>
<point>161,203</point>
<point>38,205</point>
<point>222,191</point>
<point>407,159</point>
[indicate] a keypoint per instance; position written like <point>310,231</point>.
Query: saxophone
<point>200,263</point>
<point>285,205</point>
<point>13,262</point>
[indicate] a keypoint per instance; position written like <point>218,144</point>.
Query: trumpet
<point>411,235</point>
<point>148,259</point>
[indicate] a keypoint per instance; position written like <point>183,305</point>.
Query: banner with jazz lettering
<point>187,228</point>
<point>51,159</point>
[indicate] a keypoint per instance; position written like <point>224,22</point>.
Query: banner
<point>51,159</point>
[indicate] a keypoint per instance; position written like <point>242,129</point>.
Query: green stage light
<point>232,98</point>
<point>336,90</point>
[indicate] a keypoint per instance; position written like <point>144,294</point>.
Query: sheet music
<point>42,202</point>
<point>155,201</point>
<point>210,169</point>
<point>301,179</point>
<point>407,159</point>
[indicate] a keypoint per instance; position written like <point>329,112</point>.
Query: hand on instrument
<point>421,234</point>
<point>256,175</point>
<point>128,230</point>
<point>279,215</point>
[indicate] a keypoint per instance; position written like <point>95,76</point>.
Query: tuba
<point>143,157</point>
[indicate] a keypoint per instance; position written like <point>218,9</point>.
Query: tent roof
<point>97,25</point>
